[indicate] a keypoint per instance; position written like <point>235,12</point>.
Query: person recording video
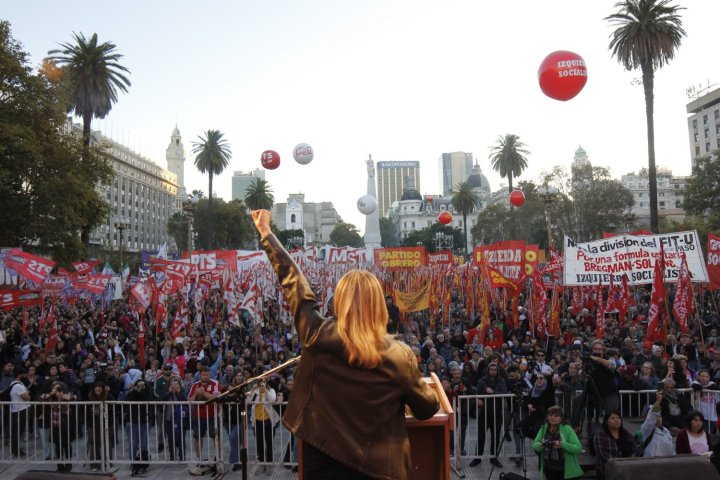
<point>603,374</point>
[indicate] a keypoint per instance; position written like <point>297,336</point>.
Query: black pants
<point>264,440</point>
<point>554,474</point>
<point>318,466</point>
<point>492,423</point>
<point>17,428</point>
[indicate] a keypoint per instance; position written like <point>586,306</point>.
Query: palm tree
<point>464,200</point>
<point>93,76</point>
<point>199,194</point>
<point>259,195</point>
<point>647,35</point>
<point>507,157</point>
<point>212,155</point>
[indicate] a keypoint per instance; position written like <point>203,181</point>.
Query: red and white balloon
<point>303,153</point>
<point>517,198</point>
<point>270,159</point>
<point>445,217</point>
<point>367,204</point>
<point>562,75</point>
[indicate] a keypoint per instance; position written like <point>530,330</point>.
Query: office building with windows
<point>143,195</point>
<point>455,167</point>
<point>241,181</point>
<point>704,124</point>
<point>391,182</point>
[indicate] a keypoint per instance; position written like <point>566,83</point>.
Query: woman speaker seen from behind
<point>354,380</point>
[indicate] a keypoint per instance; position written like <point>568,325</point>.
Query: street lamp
<point>548,195</point>
<point>189,206</point>
<point>121,227</point>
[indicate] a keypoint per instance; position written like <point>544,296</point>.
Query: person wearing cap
<point>162,384</point>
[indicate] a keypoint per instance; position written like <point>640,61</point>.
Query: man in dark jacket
<point>489,414</point>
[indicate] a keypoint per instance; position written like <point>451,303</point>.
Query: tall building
<point>241,181</point>
<point>316,220</point>
<point>581,159</point>
<point>456,167</point>
<point>175,157</point>
<point>670,195</point>
<point>142,196</point>
<point>391,178</point>
<point>704,124</point>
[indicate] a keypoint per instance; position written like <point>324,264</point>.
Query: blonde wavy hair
<point>361,317</point>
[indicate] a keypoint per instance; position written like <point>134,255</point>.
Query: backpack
<point>5,394</point>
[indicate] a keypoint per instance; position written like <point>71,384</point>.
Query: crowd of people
<point>97,358</point>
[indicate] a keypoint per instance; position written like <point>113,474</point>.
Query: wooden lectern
<point>429,439</point>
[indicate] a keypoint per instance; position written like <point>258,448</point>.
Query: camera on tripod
<point>588,364</point>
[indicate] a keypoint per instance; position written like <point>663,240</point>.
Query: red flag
<point>655,328</point>
<point>53,337</point>
<point>141,342</point>
<point>142,294</point>
<point>541,303</point>
<point>713,261</point>
<point>600,319</point>
<point>84,268</point>
<point>556,305</point>
<point>25,320</point>
<point>29,266</point>
<point>622,304</point>
<point>577,300</point>
<point>683,296</point>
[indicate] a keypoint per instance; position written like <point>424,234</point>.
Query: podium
<point>429,439</point>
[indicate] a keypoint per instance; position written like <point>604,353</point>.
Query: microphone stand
<point>238,390</point>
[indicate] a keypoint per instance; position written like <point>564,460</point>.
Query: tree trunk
<point>648,75</point>
<point>510,189</point>
<point>87,121</point>
<point>466,237</point>
<point>210,211</point>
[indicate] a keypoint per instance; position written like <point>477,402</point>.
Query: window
<point>404,224</point>
<point>678,204</point>
<point>662,194</point>
<point>292,218</point>
<point>707,147</point>
<point>695,123</point>
<point>642,204</point>
<point>662,204</point>
<point>697,150</point>
<point>704,118</point>
<point>412,224</point>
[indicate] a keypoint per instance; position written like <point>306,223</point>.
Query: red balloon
<point>562,75</point>
<point>270,159</point>
<point>517,198</point>
<point>445,217</point>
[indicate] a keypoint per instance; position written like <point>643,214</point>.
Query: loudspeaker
<point>662,468</point>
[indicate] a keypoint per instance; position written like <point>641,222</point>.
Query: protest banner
<point>403,257</point>
<point>413,301</point>
<point>444,257</point>
<point>590,263</point>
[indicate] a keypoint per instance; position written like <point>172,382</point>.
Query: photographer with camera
<point>602,371</point>
<point>62,422</point>
<point>558,446</point>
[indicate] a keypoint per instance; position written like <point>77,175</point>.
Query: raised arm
<point>302,301</point>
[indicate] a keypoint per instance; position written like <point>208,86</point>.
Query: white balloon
<point>303,153</point>
<point>367,204</point>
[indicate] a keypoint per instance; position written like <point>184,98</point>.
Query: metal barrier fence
<point>103,436</point>
<point>488,426</point>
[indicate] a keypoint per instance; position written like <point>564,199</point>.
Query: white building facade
<point>670,190</point>
<point>316,220</point>
<point>704,124</point>
<point>142,195</point>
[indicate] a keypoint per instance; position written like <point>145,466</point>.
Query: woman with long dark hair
<point>612,440</point>
<point>694,439</point>
<point>354,380</point>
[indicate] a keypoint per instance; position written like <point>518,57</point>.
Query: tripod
<point>590,392</point>
<point>518,402</point>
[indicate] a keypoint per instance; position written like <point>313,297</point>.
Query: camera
<point>547,443</point>
<point>588,364</point>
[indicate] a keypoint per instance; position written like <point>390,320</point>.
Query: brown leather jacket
<point>354,415</point>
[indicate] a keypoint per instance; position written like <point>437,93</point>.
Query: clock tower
<point>175,156</point>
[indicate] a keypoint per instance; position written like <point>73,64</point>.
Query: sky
<point>400,80</point>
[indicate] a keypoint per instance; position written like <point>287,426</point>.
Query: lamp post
<point>548,195</point>
<point>121,227</point>
<point>189,206</point>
